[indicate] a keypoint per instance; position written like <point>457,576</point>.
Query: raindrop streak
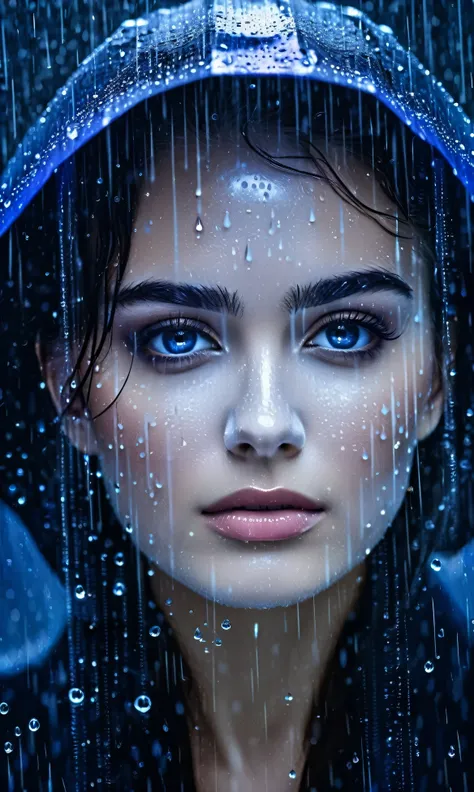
<point>199,226</point>
<point>34,725</point>
<point>76,696</point>
<point>227,223</point>
<point>142,704</point>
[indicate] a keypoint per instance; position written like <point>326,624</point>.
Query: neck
<point>254,692</point>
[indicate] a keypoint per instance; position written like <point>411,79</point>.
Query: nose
<point>263,423</point>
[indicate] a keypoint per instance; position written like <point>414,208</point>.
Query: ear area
<point>76,423</point>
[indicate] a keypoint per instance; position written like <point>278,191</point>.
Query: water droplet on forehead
<point>199,226</point>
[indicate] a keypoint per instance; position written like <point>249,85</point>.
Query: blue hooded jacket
<point>144,57</point>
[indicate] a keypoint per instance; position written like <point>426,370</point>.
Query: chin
<point>240,595</point>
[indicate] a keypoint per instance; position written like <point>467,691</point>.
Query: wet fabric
<point>318,41</point>
<point>150,55</point>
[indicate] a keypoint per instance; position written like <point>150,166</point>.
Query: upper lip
<point>253,497</point>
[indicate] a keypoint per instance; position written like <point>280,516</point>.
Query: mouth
<point>254,515</point>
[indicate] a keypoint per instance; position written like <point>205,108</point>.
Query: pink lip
<point>234,517</point>
<point>263,526</point>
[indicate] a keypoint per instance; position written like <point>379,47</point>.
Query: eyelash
<point>139,340</point>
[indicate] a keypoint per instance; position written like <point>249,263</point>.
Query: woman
<point>243,302</point>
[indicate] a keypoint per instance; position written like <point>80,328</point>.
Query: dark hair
<point>105,178</point>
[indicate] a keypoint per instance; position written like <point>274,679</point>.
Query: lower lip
<point>263,526</point>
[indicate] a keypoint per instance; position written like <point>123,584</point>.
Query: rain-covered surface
<point>86,651</point>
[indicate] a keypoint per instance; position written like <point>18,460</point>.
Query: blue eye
<point>174,342</point>
<point>344,336</point>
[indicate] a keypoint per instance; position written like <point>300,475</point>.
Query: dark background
<point>42,41</point>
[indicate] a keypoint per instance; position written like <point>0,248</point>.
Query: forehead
<point>227,215</point>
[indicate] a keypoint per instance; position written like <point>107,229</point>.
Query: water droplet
<point>119,559</point>
<point>429,666</point>
<point>198,192</point>
<point>289,697</point>
<point>312,216</point>
<point>168,601</point>
<point>199,226</point>
<point>452,751</point>
<point>322,198</point>
<point>429,525</point>
<point>4,708</point>
<point>119,589</point>
<point>34,725</point>
<point>227,223</point>
<point>142,704</point>
<point>364,454</point>
<point>248,253</point>
<point>17,731</point>
<point>436,564</point>
<point>197,634</point>
<point>292,774</point>
<point>218,642</point>
<point>226,625</point>
<point>355,758</point>
<point>72,133</point>
<point>441,633</point>
<point>80,592</point>
<point>8,747</point>
<point>385,410</point>
<point>154,631</point>
<point>76,696</point>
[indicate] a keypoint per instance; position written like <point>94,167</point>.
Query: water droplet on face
<point>436,564</point>
<point>34,725</point>
<point>154,631</point>
<point>199,226</point>
<point>4,708</point>
<point>119,589</point>
<point>429,666</point>
<point>76,696</point>
<point>227,223</point>
<point>80,592</point>
<point>142,704</point>
<point>8,747</point>
<point>226,625</point>
<point>248,254</point>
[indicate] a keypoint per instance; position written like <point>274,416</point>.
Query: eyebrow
<point>219,299</point>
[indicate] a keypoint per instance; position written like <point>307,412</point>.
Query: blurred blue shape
<point>455,574</point>
<point>33,612</point>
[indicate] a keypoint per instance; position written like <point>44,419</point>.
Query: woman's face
<point>328,401</point>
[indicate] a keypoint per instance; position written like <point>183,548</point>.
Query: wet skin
<point>269,399</point>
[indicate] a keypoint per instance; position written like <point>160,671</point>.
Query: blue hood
<point>150,55</point>
<point>200,39</point>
